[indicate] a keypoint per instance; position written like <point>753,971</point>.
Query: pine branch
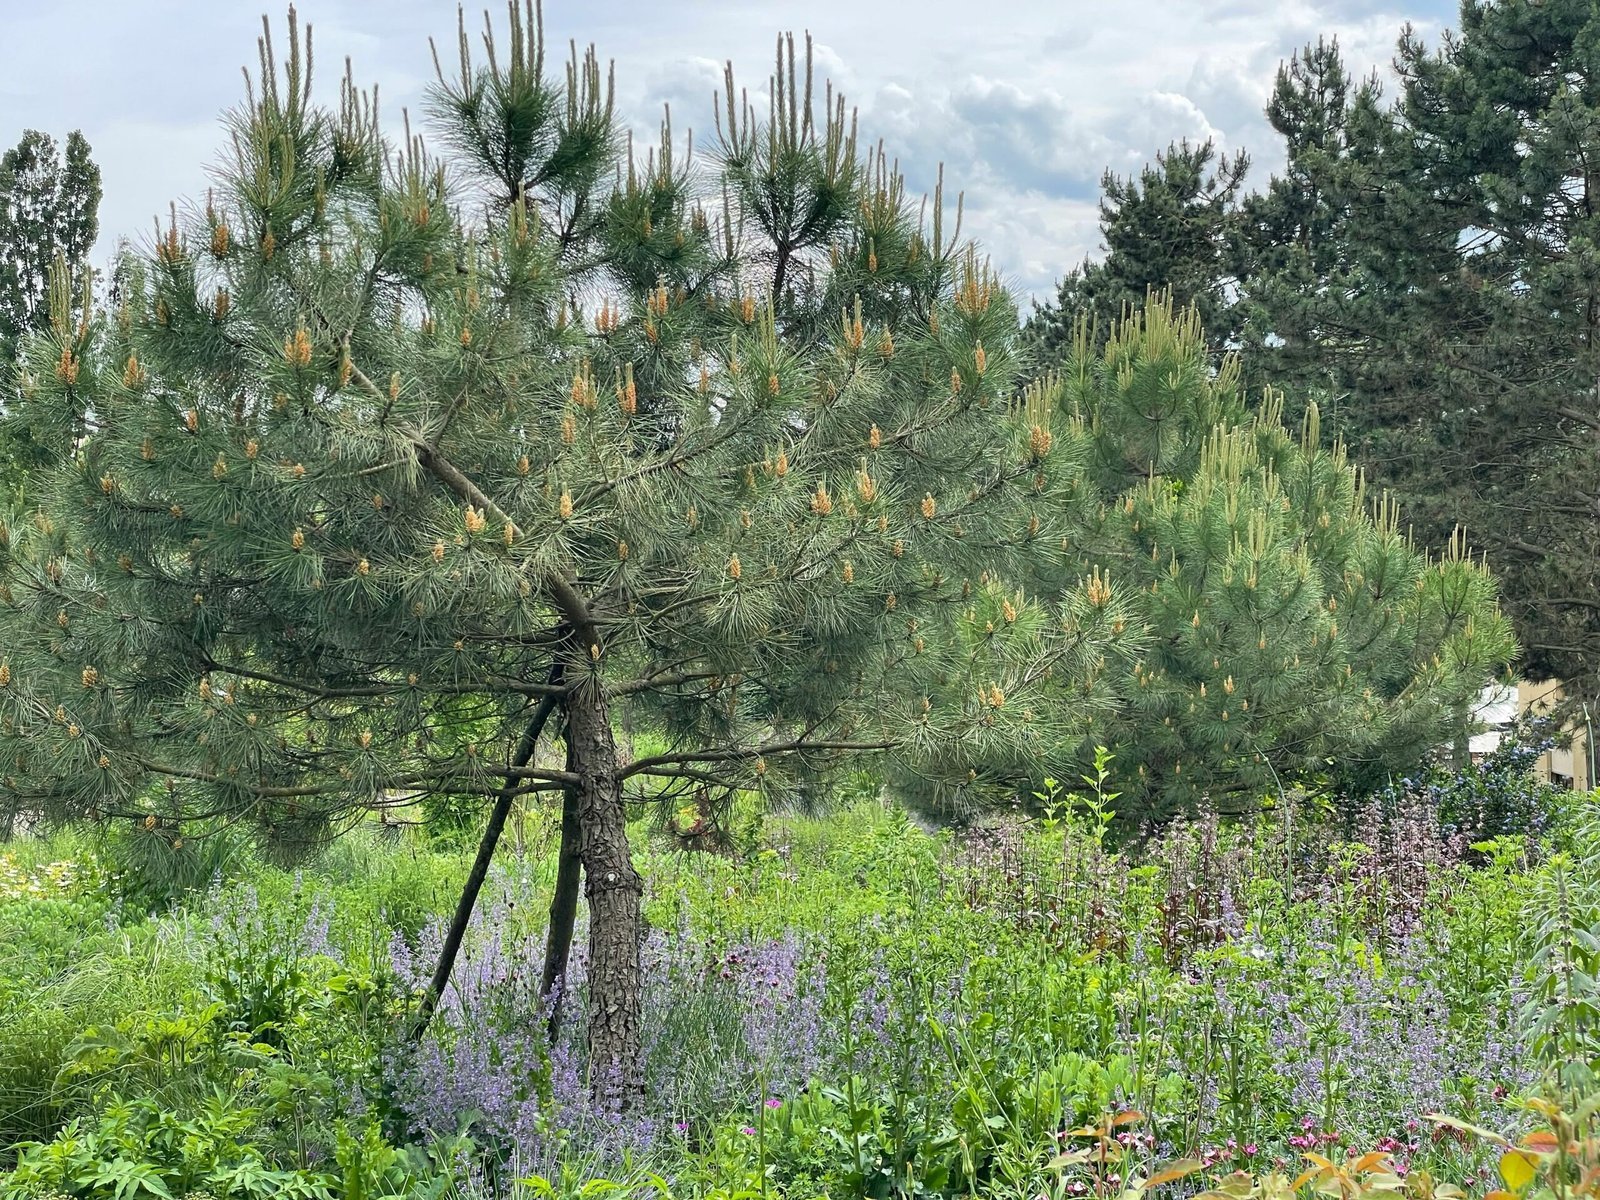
<point>325,692</point>
<point>649,765</point>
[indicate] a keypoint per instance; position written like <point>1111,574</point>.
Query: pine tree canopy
<point>1296,632</point>
<point>329,474</point>
<point>380,452</point>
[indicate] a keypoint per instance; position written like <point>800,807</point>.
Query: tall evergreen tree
<point>358,486</point>
<point>1172,227</point>
<point>1451,311</point>
<point>1502,127</point>
<point>49,208</point>
<point>1302,238</point>
<point>49,205</point>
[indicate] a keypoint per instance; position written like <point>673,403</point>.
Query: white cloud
<point>1025,103</point>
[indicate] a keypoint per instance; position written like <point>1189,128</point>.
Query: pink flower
<point>747,1131</point>
<point>774,1102</point>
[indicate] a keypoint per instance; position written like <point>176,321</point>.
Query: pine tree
<point>1328,249</point>
<point>1297,633</point>
<point>1451,310</point>
<point>1503,126</point>
<point>1171,228</point>
<point>359,486</point>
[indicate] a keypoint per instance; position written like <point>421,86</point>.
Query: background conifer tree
<point>359,485</point>
<point>1423,271</point>
<point>1173,227</point>
<point>1447,299</point>
<point>49,205</point>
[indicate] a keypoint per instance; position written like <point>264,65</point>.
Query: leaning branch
<point>503,801</point>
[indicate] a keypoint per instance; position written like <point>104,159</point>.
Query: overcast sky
<point>1025,101</point>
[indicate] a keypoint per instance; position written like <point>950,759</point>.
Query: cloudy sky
<point>1026,102</point>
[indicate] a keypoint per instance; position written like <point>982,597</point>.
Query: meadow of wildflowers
<point>850,1006</point>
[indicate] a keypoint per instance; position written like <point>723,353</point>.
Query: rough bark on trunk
<point>611,884</point>
<point>613,889</point>
<point>504,799</point>
<point>564,902</point>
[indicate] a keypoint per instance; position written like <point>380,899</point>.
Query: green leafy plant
<point>1563,1011</point>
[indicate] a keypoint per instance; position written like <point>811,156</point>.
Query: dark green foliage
<point>48,206</point>
<point>1485,411</point>
<point>141,1148</point>
<point>1173,227</point>
<point>1310,242</point>
<point>1426,272</point>
<point>1496,796</point>
<point>254,968</point>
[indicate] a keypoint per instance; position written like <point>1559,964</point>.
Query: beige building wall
<point>1568,766</point>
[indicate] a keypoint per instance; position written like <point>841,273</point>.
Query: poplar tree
<point>49,207</point>
<point>369,475</point>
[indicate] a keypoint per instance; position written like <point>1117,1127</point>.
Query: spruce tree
<point>1298,636</point>
<point>360,483</point>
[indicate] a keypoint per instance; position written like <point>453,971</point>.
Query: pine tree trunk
<point>613,889</point>
<point>564,903</point>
